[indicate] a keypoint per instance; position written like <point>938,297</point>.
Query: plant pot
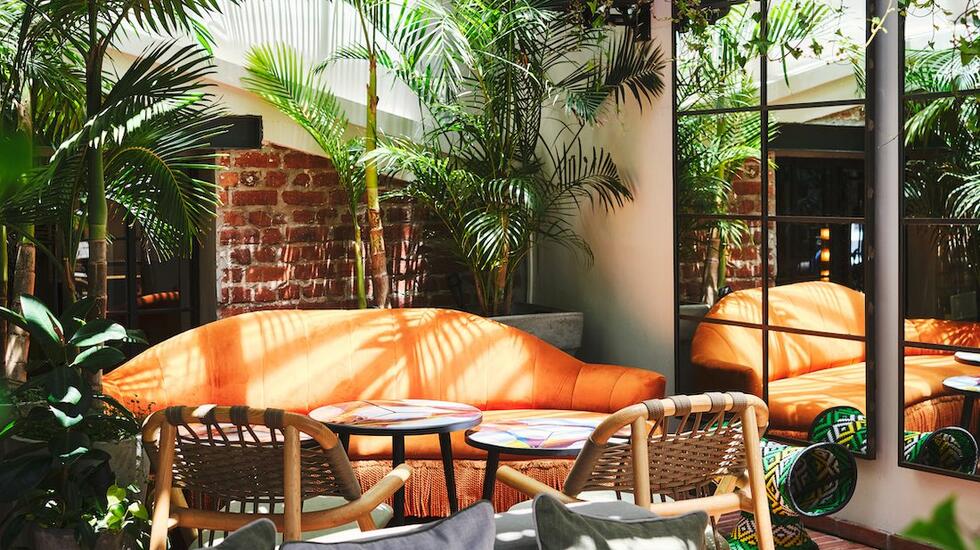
<point>64,539</point>
<point>562,329</point>
<point>127,461</point>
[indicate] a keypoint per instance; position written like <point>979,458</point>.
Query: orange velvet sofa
<point>300,360</point>
<point>808,374</point>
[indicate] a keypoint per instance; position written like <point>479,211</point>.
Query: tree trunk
<point>709,287</point>
<point>4,277</point>
<point>359,264</point>
<point>379,262</point>
<point>500,305</point>
<point>18,342</point>
<point>97,207</point>
<point>98,210</point>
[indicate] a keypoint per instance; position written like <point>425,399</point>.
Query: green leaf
<point>13,317</point>
<point>98,358</point>
<point>98,331</point>
<point>66,415</point>
<point>139,511</point>
<point>68,446</point>
<point>44,328</point>
<point>941,529</point>
<point>22,474</point>
<point>74,315</point>
<point>69,397</point>
<point>115,495</point>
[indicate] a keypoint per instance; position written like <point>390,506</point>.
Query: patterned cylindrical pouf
<point>811,481</point>
<point>950,448</point>
<point>842,425</point>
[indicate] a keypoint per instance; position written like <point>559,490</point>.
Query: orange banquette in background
<point>808,374</point>
<point>300,360</point>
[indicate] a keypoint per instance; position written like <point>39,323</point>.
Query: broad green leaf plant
<point>56,477</point>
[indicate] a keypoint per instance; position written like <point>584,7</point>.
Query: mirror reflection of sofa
<point>809,374</point>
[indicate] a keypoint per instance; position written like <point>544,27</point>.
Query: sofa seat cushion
<point>924,375</point>
<point>795,402</point>
<point>426,447</point>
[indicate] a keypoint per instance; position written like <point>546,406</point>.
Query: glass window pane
<point>819,278</point>
<point>942,269</point>
<point>942,144</point>
<point>817,50</point>
<point>718,61</point>
<point>808,375</point>
<point>818,164</point>
<point>718,164</point>
<point>935,426</point>
<point>717,259</point>
<point>937,35</point>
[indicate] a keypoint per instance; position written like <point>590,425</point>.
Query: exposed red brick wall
<point>744,266</point>
<point>284,238</point>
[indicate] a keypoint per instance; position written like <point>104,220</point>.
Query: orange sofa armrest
<point>724,376</point>
<point>608,388</point>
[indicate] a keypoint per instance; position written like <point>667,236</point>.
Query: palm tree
<point>135,99</point>
<point>488,75</point>
<point>39,90</point>
<point>278,75</point>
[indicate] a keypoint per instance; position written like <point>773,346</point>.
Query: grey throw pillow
<point>258,535</point>
<point>560,528</point>
<point>468,529</point>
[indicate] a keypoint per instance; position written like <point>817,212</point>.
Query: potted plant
<point>489,77</point>
<point>56,470</point>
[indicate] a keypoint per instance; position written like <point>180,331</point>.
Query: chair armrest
<point>714,375</point>
<point>370,499</point>
<point>529,486</point>
<point>389,484</point>
<point>608,388</point>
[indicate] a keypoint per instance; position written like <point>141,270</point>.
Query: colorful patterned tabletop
<point>965,384</point>
<point>537,436</point>
<point>967,357</point>
<point>397,417</point>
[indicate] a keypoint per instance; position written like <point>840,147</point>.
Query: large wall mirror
<point>772,222</point>
<point>940,232</point>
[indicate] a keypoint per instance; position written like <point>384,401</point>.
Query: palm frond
<point>150,173</point>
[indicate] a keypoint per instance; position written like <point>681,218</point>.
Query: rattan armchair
<point>217,455</point>
<point>701,451</point>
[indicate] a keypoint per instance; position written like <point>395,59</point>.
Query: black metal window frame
<point>764,217</point>
<point>133,252</point>
<point>905,222</point>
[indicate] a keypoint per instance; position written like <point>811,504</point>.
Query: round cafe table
<point>397,419</point>
<point>550,437</point>
<point>969,388</point>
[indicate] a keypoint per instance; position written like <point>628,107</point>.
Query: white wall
<point>627,296</point>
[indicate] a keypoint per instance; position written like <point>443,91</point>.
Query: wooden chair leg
<point>757,480</point>
<point>162,488</point>
<point>293,501</point>
<point>366,522</point>
<point>641,462</point>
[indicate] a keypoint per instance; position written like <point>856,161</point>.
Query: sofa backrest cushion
<point>299,360</point>
<point>962,334</point>
<point>827,307</point>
